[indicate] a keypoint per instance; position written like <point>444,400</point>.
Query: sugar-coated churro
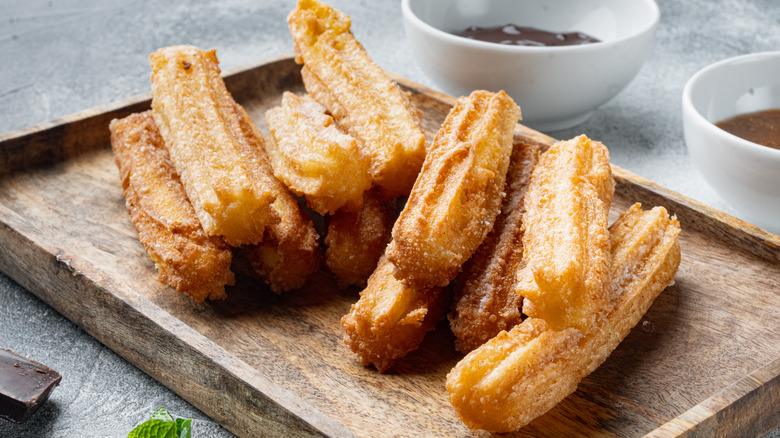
<point>167,225</point>
<point>521,374</point>
<point>391,318</point>
<point>339,74</point>
<point>314,157</point>
<point>566,242</point>
<point>197,118</point>
<point>484,301</point>
<point>458,193</point>
<point>290,249</point>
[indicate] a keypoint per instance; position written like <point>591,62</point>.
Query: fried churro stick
<point>566,243</point>
<point>521,374</point>
<point>197,119</point>
<point>485,302</point>
<point>391,318</point>
<point>290,249</point>
<point>339,74</point>
<point>314,157</point>
<point>167,225</point>
<point>289,252</point>
<point>457,195</point>
<point>356,241</point>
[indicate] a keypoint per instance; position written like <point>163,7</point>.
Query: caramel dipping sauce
<point>761,127</point>
<point>514,35</point>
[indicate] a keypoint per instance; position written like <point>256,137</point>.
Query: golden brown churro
<point>484,301</point>
<point>356,241</point>
<point>391,318</point>
<point>290,249</point>
<point>289,252</point>
<point>521,374</point>
<point>339,74</point>
<point>312,156</point>
<point>167,225</point>
<point>458,193</point>
<point>566,242</point>
<point>197,118</point>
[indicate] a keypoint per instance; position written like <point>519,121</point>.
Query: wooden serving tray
<point>705,360</point>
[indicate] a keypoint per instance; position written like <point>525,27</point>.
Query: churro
<point>521,374</point>
<point>313,157</point>
<point>484,301</point>
<point>197,118</point>
<point>356,241</point>
<point>290,249</point>
<point>339,74</point>
<point>566,242</point>
<point>186,259</point>
<point>458,193</point>
<point>391,318</point>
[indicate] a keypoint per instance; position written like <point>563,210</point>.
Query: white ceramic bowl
<point>556,87</point>
<point>746,175</point>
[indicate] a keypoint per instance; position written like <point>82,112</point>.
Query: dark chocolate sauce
<point>513,35</point>
<point>761,127</point>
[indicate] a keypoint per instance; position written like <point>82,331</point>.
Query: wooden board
<point>704,361</point>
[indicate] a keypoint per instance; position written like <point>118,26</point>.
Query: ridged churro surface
<point>521,374</point>
<point>484,301</point>
<point>197,118</point>
<point>312,156</point>
<point>339,74</point>
<point>167,225</point>
<point>566,242</point>
<point>458,193</point>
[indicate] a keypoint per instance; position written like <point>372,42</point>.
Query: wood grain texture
<point>704,360</point>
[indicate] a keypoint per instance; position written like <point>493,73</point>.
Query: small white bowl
<point>556,87</point>
<point>745,174</point>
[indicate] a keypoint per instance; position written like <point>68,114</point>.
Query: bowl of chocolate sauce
<point>560,60</point>
<point>731,121</point>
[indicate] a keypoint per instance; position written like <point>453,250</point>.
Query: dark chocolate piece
<point>24,385</point>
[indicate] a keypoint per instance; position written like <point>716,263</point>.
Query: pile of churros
<point>511,244</point>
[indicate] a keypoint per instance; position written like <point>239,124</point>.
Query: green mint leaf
<point>162,414</point>
<point>184,428</point>
<point>154,429</point>
<point>162,425</point>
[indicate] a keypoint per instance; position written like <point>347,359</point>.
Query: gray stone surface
<point>60,57</point>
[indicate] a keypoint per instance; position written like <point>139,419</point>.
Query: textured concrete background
<point>60,57</point>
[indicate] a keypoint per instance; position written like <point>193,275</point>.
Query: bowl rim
<point>710,127</point>
<point>455,39</point>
